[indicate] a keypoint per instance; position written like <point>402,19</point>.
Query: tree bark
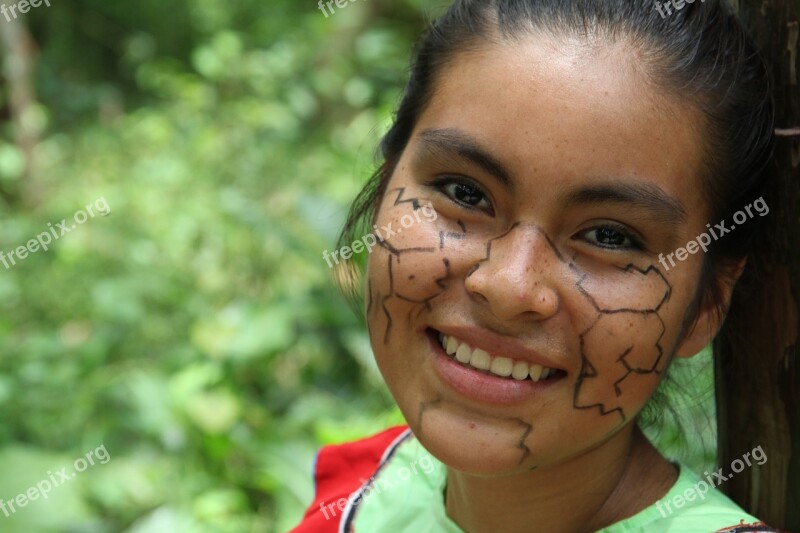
<point>19,60</point>
<point>757,370</point>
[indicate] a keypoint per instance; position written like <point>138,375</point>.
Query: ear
<point>710,317</point>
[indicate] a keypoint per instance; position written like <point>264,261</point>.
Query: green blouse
<point>406,495</point>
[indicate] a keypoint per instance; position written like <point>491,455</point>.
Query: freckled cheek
<point>633,287</point>
<point>403,227</point>
<point>627,344</point>
<point>674,316</point>
<point>672,311</point>
<point>424,253</point>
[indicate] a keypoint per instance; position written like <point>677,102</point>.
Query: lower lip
<point>486,388</point>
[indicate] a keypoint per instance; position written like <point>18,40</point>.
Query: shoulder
<point>340,471</point>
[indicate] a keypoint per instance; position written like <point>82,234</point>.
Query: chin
<point>474,446</point>
<point>475,461</point>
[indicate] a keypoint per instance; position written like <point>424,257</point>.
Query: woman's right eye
<point>465,194</point>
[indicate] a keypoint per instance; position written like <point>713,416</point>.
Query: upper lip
<point>497,345</point>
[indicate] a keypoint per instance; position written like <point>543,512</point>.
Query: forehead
<point>562,109</point>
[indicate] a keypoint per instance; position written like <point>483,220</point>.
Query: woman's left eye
<point>612,238</point>
<point>463,192</point>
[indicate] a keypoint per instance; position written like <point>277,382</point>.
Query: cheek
<point>622,349</point>
<point>633,288</point>
<point>418,257</point>
<point>407,260</point>
<point>622,360</point>
<point>405,268</point>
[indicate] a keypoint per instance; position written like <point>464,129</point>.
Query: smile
<point>505,367</point>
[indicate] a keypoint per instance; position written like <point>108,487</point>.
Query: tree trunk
<point>19,60</point>
<point>756,354</point>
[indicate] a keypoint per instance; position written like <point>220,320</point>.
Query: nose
<point>517,278</point>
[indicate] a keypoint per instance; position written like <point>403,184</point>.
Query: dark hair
<point>701,53</point>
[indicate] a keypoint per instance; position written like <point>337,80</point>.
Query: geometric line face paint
<point>634,358</point>
<point>601,384</point>
<point>524,428</point>
<point>400,262</point>
<point>423,408</point>
<point>638,354</point>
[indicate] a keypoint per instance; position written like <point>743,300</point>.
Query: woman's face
<point>557,176</point>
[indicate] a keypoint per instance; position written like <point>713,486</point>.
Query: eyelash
<point>635,242</point>
<point>441,184</point>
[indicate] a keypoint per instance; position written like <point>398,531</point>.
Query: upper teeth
<point>501,366</point>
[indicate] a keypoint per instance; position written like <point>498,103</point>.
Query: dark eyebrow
<point>644,195</point>
<point>455,142</point>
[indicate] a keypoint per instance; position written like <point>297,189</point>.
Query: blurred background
<point>195,331</point>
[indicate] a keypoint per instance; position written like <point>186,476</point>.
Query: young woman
<point>570,149</point>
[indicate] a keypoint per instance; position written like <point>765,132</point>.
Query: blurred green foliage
<point>195,331</point>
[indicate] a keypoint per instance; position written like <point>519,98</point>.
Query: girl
<point>570,149</point>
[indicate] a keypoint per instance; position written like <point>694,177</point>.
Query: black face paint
<point>635,358</point>
<point>401,191</point>
<point>525,427</point>
<point>488,255</point>
<point>396,255</point>
<point>423,408</point>
<point>526,430</point>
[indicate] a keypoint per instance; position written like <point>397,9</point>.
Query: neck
<point>615,480</point>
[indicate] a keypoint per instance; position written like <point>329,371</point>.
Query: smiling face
<point>558,176</point>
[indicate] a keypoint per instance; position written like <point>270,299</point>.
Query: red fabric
<point>340,471</point>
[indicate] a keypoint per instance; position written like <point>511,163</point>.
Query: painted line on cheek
<point>424,407</point>
<point>413,201</point>
<point>588,371</point>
